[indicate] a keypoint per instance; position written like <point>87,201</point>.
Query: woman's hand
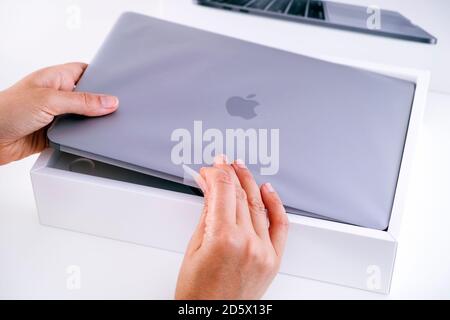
<point>28,107</point>
<point>237,247</point>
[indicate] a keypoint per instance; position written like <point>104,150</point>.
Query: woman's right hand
<point>237,247</point>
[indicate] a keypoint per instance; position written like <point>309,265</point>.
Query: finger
<point>242,210</point>
<point>76,68</point>
<point>221,198</point>
<point>88,104</point>
<point>196,176</point>
<point>71,73</point>
<point>60,77</point>
<point>257,209</point>
<point>279,222</point>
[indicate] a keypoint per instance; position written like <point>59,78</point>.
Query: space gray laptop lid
<point>329,137</point>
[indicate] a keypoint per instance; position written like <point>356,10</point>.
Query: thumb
<point>82,103</point>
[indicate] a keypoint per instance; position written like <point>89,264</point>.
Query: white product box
<point>111,202</point>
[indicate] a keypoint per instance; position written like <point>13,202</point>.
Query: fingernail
<point>109,102</point>
<point>201,183</point>
<point>221,159</point>
<point>270,187</point>
<point>240,163</point>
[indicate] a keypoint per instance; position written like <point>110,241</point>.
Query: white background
<point>34,258</point>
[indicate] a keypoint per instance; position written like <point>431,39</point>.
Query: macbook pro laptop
<point>369,20</point>
<point>328,137</point>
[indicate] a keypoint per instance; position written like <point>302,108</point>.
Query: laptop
<point>369,20</point>
<point>329,137</point>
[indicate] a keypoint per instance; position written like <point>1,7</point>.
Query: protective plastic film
<point>328,137</point>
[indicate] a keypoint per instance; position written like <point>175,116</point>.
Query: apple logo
<point>242,107</point>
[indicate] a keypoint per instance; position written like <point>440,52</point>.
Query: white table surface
<point>34,259</point>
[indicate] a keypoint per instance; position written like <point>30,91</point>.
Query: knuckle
<point>86,99</point>
<point>283,221</point>
<point>222,176</point>
<point>254,254</point>
<point>256,205</point>
<point>90,102</point>
<point>261,258</point>
<point>241,195</point>
<point>266,264</point>
<point>41,73</point>
<point>261,262</point>
<point>228,242</point>
<point>271,265</point>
